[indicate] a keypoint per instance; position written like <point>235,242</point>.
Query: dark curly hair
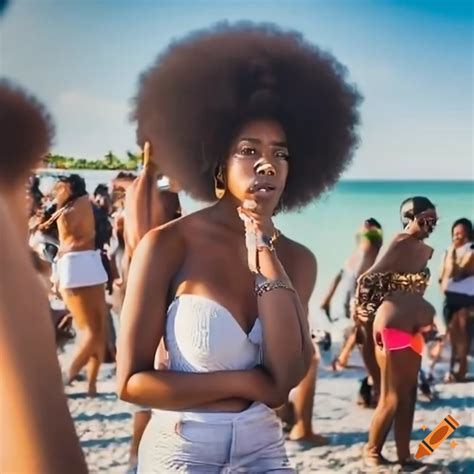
<point>203,88</point>
<point>76,183</point>
<point>26,133</point>
<point>467,224</point>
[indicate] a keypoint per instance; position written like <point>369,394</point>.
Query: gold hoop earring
<point>219,184</point>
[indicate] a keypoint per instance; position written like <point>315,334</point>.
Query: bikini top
<point>203,336</point>
<point>373,288</point>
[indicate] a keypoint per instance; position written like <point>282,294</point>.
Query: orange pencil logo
<point>444,429</point>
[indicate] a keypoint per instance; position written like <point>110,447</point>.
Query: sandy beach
<point>104,424</point>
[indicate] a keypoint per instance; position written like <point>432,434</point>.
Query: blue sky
<point>412,60</point>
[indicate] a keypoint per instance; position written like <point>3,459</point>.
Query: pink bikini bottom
<point>396,339</point>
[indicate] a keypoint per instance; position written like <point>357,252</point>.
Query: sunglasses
<point>429,222</point>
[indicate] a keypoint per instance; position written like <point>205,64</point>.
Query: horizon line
<point>342,180</point>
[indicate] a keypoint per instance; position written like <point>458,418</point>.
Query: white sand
<point>104,425</point>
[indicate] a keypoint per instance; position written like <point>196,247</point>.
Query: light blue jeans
<point>250,441</point>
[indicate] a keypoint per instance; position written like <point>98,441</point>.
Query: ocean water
<point>328,226</point>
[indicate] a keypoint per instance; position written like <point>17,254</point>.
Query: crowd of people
<point>214,350</point>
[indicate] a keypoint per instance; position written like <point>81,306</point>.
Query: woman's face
<point>61,192</point>
<point>258,164</point>
<point>426,222</point>
<point>460,236</point>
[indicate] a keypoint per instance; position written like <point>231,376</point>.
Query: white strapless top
<point>202,336</point>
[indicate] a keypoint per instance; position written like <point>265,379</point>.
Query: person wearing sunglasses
<point>393,315</point>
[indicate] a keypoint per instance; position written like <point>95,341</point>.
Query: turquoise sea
<point>328,226</point>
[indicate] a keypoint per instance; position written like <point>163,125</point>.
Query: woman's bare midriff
<point>405,311</point>
<point>226,406</point>
<point>75,245</point>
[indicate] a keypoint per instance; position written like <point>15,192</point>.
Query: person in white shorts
<point>80,274</point>
<point>253,120</point>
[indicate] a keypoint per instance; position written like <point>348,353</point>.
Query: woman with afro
<point>33,393</point>
<point>257,121</point>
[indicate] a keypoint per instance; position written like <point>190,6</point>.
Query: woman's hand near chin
<point>259,234</point>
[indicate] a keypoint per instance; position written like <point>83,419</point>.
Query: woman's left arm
<point>287,341</point>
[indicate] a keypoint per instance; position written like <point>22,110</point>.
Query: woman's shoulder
<point>166,235</point>
<point>406,242</point>
<point>175,233</point>
<point>295,248</point>
<point>403,238</point>
<point>296,255</point>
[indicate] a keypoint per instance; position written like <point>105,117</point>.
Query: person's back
<point>394,314</point>
<point>76,227</point>
<point>398,278</point>
<point>405,254</point>
<point>81,274</point>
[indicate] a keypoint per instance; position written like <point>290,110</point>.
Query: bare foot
<point>373,458</point>
<point>132,465</point>
<point>454,377</point>
<point>411,464</point>
<point>336,365</point>
<point>311,440</point>
<point>92,391</point>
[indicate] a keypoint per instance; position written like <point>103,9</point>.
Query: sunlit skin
<point>250,151</point>
<point>76,225</point>
<point>87,305</point>
<point>30,442</point>
<point>205,253</point>
<point>37,432</point>
<point>146,207</point>
<point>359,262</point>
<point>407,253</point>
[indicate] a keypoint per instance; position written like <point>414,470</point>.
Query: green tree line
<point>109,162</point>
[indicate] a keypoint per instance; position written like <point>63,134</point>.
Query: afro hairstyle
<point>200,91</point>
<point>26,133</point>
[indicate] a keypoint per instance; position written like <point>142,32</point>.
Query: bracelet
<point>269,285</point>
<point>268,242</point>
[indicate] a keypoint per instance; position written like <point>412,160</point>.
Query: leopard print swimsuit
<point>373,288</point>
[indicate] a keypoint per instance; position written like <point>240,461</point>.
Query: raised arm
<point>143,208</point>
<point>369,255</point>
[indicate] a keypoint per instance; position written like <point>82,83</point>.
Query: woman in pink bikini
<point>390,304</point>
